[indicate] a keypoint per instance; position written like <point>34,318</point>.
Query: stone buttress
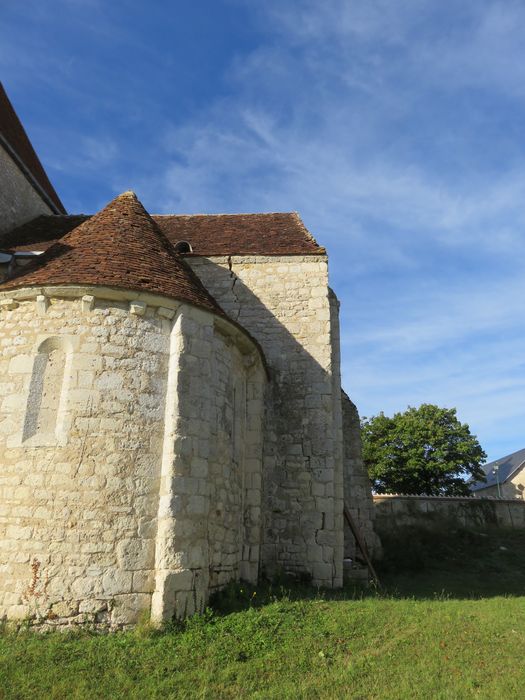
<point>130,432</point>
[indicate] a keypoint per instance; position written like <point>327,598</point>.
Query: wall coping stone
<point>422,497</point>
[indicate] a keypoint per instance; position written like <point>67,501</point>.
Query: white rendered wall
<point>513,488</point>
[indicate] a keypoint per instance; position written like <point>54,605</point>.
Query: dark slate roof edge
<point>42,185</point>
<point>30,177</point>
<point>513,469</point>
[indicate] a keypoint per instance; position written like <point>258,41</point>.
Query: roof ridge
<point>246,213</point>
<point>266,234</point>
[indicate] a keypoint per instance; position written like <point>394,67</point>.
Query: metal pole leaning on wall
<point>361,544</point>
<point>495,471</point>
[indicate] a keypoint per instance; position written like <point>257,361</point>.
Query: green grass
<point>433,633</point>
<point>463,563</point>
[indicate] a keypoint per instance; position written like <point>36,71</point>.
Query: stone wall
<point>234,522</point>
<point>80,469</point>
<point>19,201</point>
<point>284,303</point>
<point>145,459</point>
<point>209,506</point>
<point>121,426</point>
<point>358,491</point>
<point>225,519</point>
<point>394,512</point>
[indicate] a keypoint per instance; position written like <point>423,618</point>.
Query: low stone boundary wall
<point>393,511</point>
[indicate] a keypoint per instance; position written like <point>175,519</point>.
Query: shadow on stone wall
<point>302,492</point>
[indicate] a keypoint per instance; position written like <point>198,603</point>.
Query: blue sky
<point>396,129</point>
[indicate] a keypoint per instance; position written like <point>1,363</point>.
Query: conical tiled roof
<point>122,247</point>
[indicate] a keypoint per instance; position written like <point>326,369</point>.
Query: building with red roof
<point>171,414</point>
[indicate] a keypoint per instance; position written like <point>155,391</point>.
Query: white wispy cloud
<point>325,120</point>
<point>395,129</point>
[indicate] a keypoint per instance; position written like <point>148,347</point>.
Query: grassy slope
<point>300,645</point>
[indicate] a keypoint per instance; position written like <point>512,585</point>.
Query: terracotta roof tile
<point>122,247</point>
<point>208,234</point>
<point>242,234</point>
<point>12,132</point>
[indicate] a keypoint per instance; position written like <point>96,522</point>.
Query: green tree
<point>423,450</point>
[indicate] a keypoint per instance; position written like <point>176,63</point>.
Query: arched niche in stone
<point>47,391</point>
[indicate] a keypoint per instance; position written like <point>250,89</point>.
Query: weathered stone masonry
<point>283,301</point>
<point>25,190</point>
<point>80,502</point>
<point>111,505</point>
<point>18,200</point>
<point>170,405</point>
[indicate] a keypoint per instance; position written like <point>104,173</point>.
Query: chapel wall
<point>19,201</point>
<point>335,343</point>
<point>283,302</point>
<point>209,507</point>
<point>228,428</point>
<point>235,468</point>
<point>80,453</point>
<point>357,487</point>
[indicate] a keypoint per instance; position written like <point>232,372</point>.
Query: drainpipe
<point>495,471</point>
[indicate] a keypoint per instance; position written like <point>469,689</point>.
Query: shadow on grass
<point>419,564</point>
<point>460,563</point>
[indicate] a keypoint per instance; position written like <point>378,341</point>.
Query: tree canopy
<point>424,450</point>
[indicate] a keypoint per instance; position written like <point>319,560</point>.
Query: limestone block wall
<point>439,513</point>
<point>82,393</point>
<point>283,301</point>
<point>234,522</point>
<point>182,553</point>
<point>358,491</point>
<point>19,201</point>
<point>209,506</point>
<point>228,427</point>
<point>130,456</point>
